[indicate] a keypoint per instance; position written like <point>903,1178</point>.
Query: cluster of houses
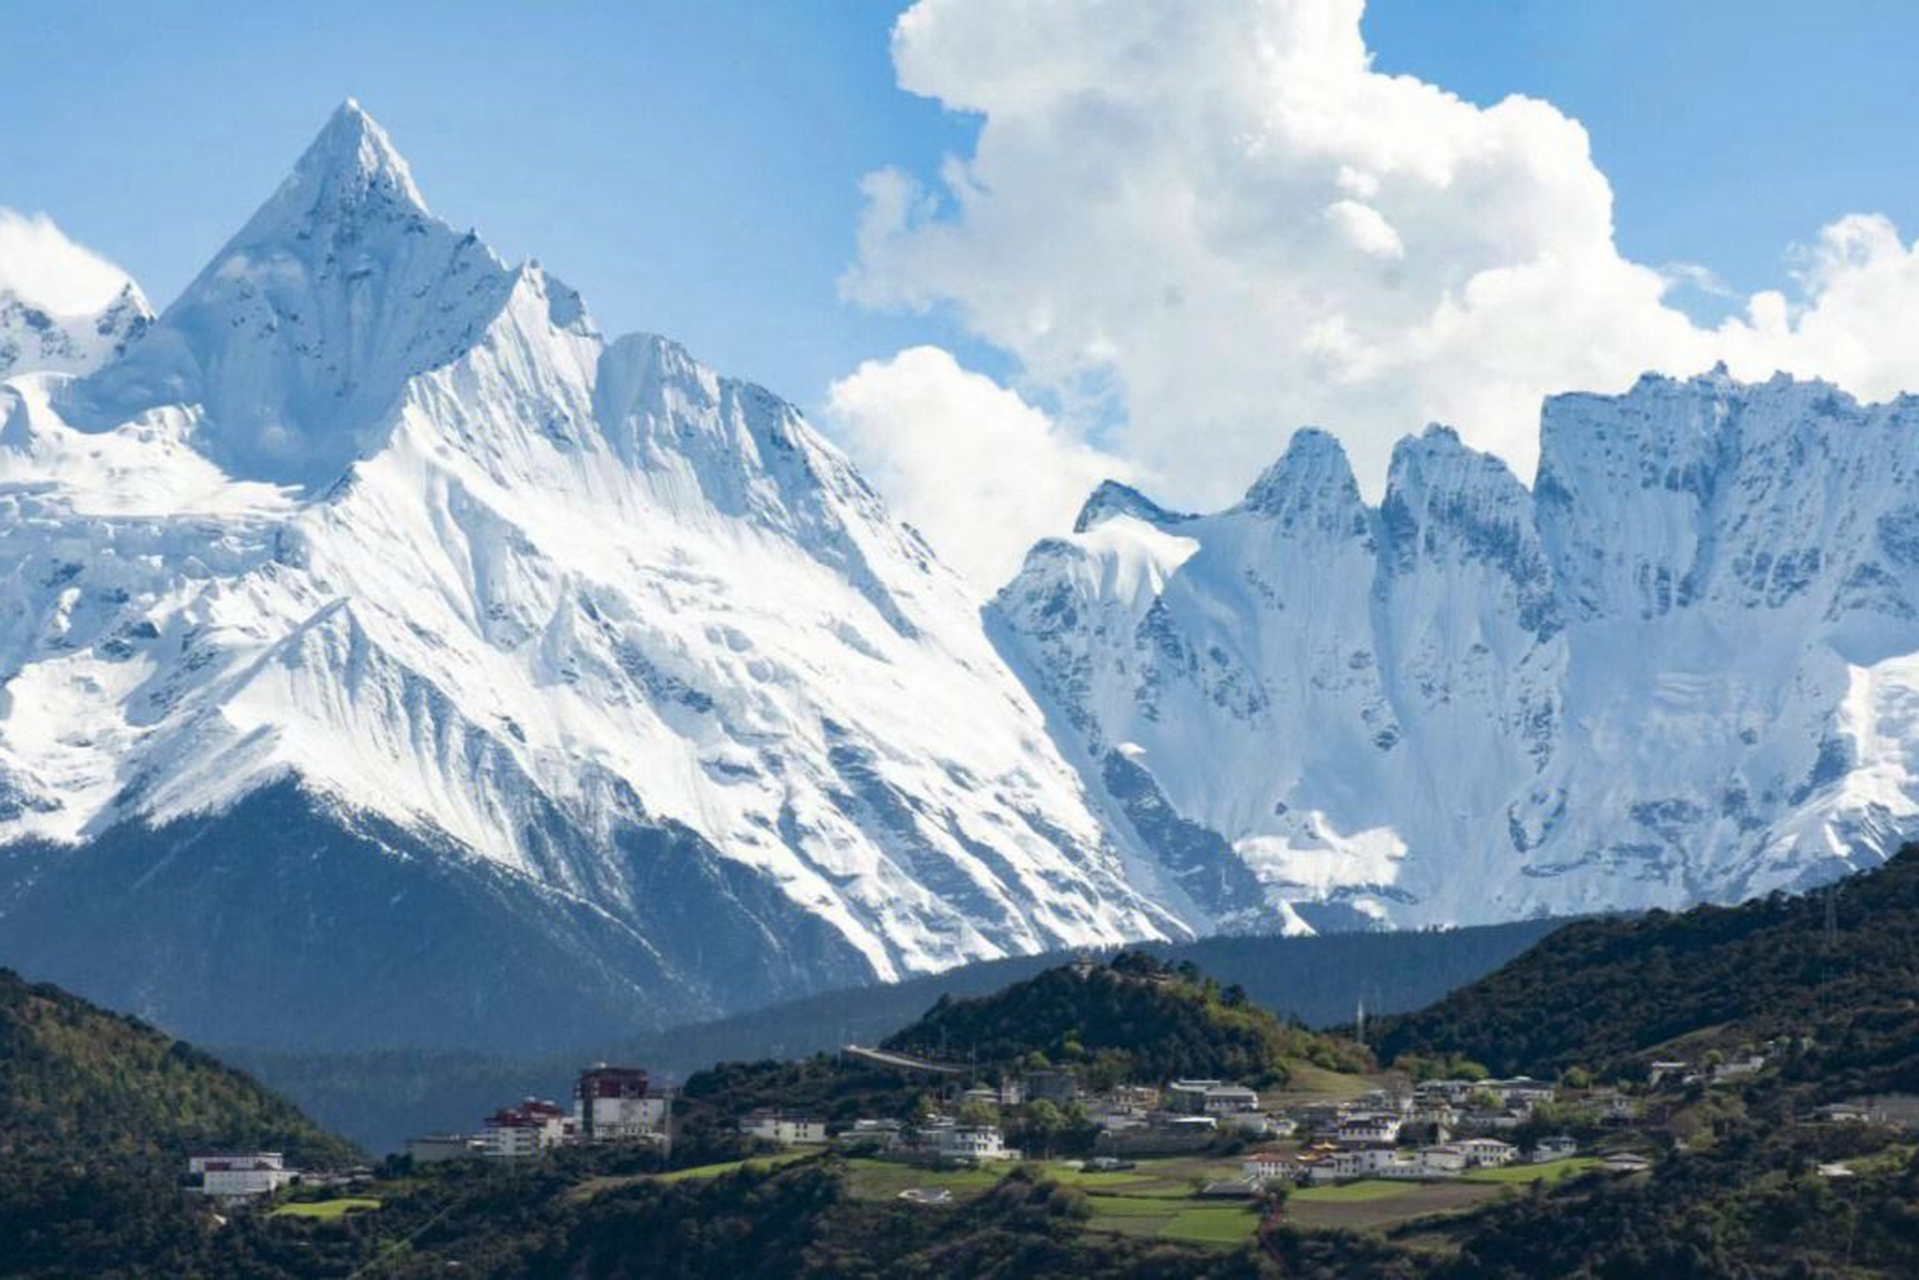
<point>1376,1135</point>
<point>235,1176</point>
<point>939,1139</point>
<point>610,1104</point>
<point>1440,1129</point>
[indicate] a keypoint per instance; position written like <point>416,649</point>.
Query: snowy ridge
<point>1680,668</point>
<point>369,511</point>
<point>35,338</point>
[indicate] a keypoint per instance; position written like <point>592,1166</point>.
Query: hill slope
<point>81,1085</point>
<point>1143,1020</point>
<point>97,1115</point>
<point>1840,966</point>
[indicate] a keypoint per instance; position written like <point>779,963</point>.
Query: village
<point>1233,1141</point>
<point>1320,1146</point>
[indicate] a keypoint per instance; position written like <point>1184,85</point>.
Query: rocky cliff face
<point>1682,667</point>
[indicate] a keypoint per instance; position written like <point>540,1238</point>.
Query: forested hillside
<point>81,1085</point>
<point>97,1115</point>
<point>1136,1018</point>
<point>1835,973</point>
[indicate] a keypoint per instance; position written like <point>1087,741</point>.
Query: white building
<point>976,1143</point>
<point>787,1130</point>
<point>241,1173</point>
<point>618,1104</point>
<point>622,1119</point>
<point>1228,1099</point>
<point>1271,1166</point>
<point>1485,1153</point>
<point>1558,1148</point>
<point>1521,1091</point>
<point>525,1131</point>
<point>1188,1095</point>
<point>1368,1128</point>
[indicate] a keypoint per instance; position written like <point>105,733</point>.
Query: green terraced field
<point>1213,1225</point>
<point>326,1210</point>
<point>1348,1192</point>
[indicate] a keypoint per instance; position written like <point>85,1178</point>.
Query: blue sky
<point>694,168</point>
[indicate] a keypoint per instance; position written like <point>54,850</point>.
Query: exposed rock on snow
<point>1682,667</point>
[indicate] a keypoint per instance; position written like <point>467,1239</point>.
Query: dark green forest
<point>1832,975</point>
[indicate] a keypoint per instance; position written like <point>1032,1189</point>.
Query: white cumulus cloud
<point>1217,222</point>
<point>945,444</point>
<point>42,267</point>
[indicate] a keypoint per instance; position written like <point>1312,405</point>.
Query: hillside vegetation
<point>1134,1019</point>
<point>97,1115</point>
<point>81,1085</point>
<point>1835,973</point>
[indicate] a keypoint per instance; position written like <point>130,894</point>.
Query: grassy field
<point>883,1180</point>
<point>1167,1219</point>
<point>597,1186</point>
<point>1214,1224</point>
<point>1380,1206</point>
<point>1156,1199</point>
<point>326,1210</point>
<point>1350,1192</point>
<point>1094,1180</point>
<point>1308,1083</point>
<point>1130,1207</point>
<point>1522,1173</point>
<point>715,1170</point>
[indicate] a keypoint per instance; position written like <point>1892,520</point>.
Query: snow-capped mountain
<point>36,337</point>
<point>1684,666</point>
<point>390,657</point>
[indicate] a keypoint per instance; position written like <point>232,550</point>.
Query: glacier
<point>373,627</point>
<point>1683,666</point>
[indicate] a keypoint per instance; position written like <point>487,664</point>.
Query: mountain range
<point>1679,668</point>
<point>391,657</point>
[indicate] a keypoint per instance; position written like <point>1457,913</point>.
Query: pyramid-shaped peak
<point>354,156</point>
<point>1314,471</point>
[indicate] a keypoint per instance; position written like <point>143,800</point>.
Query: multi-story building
<point>1368,1128</point>
<point>240,1173</point>
<point>785,1128</point>
<point>1483,1153</point>
<point>518,1133</point>
<point>1226,1099</point>
<point>977,1143</point>
<point>616,1104</point>
<point>1188,1095</point>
